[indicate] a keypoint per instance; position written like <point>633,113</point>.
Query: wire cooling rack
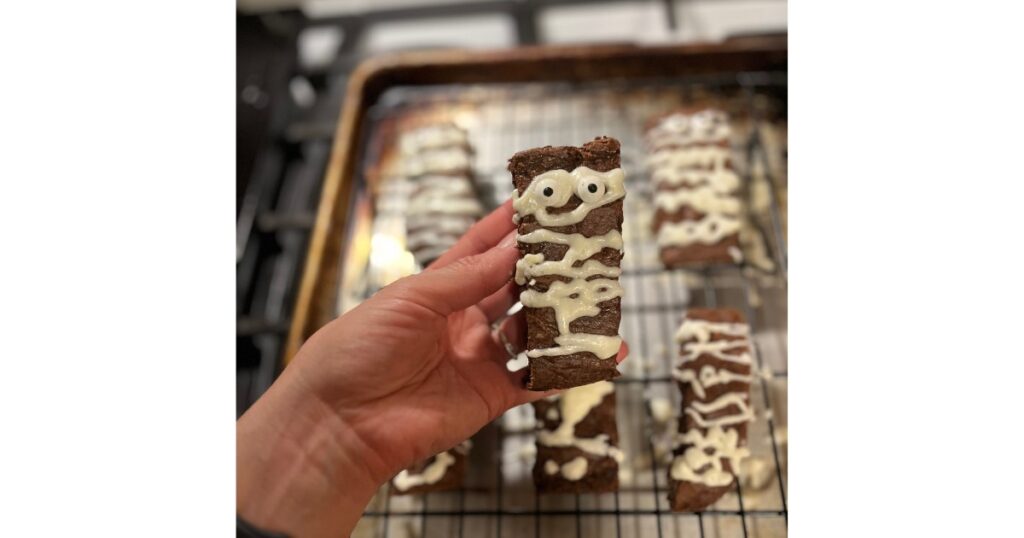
<point>498,497</point>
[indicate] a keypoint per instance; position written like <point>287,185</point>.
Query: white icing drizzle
<point>442,229</point>
<point>430,475</point>
<point>551,467</point>
<point>706,126</point>
<point>708,230</point>
<point>518,363</point>
<point>432,136</point>
<point>563,184</point>
<point>433,472</point>
<point>601,346</point>
<point>697,410</point>
<point>437,160</point>
<point>701,330</point>
<point>449,185</point>
<point>439,202</point>
<point>574,404</point>
<point>704,199</point>
<point>581,295</point>
<point>718,350</point>
<point>450,223</point>
<point>709,377</point>
<point>680,159</point>
<point>661,409</point>
<point>572,300</point>
<point>721,180</point>
<point>757,473</point>
<point>696,465</point>
<point>695,335</point>
<point>580,248</point>
<point>574,469</point>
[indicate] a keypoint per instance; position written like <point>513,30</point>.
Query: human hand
<point>412,371</point>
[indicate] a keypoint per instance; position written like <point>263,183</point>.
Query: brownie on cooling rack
<point>714,375</point>
<point>443,203</point>
<point>698,212</point>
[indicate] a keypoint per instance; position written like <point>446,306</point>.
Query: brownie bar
<point>714,378</point>
<point>577,445</point>
<point>568,204</point>
<point>698,213</point>
<point>443,472</point>
<point>443,204</point>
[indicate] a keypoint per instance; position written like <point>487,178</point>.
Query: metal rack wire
<point>498,498</point>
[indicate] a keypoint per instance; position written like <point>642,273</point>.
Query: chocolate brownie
<point>443,203</point>
<point>577,445</point>
<point>568,203</point>
<point>698,211</point>
<point>443,472</point>
<point>714,377</point>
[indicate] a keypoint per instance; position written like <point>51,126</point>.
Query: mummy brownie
<point>443,204</point>
<point>568,209</point>
<point>577,444</point>
<point>698,212</point>
<point>714,378</point>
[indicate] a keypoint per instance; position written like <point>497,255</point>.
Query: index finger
<point>483,235</point>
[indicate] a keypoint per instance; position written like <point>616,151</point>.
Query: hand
<point>412,371</point>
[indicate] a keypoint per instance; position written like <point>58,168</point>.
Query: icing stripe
<point>723,445</point>
<point>681,158</point>
<point>431,475</point>
<point>709,377</point>
<point>601,346</point>
<point>708,230</point>
<point>572,300</point>
<point>437,160</point>
<point>703,199</point>
<point>574,405</point>
<point>432,136</point>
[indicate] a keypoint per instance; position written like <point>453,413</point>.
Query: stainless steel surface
<point>498,498</point>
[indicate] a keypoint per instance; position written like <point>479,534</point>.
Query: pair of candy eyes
<point>548,191</point>
<point>589,190</point>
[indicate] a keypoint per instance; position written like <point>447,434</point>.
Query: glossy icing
<point>590,282</point>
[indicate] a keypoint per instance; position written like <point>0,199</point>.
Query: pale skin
<point>412,371</point>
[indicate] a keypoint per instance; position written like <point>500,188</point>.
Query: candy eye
<point>590,189</point>
<point>552,193</point>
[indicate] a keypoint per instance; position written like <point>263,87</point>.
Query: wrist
<point>301,470</point>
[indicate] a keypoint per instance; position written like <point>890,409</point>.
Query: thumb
<point>460,284</point>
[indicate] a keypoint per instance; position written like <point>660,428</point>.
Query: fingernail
<point>509,240</point>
